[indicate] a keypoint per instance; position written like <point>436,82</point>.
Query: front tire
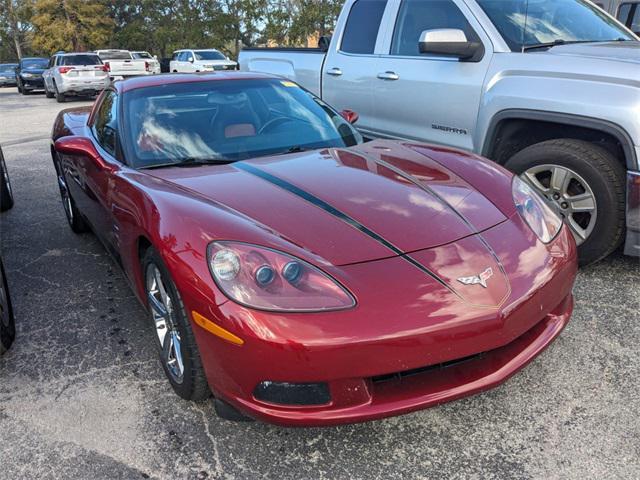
<point>176,343</point>
<point>6,193</point>
<point>586,184</point>
<point>74,217</point>
<point>7,321</point>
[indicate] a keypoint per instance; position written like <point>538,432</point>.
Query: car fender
<point>596,94</point>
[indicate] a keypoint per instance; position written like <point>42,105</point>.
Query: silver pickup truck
<point>548,88</point>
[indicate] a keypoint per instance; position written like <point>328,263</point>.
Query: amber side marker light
<point>215,329</point>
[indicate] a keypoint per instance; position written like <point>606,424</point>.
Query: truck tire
<point>586,184</point>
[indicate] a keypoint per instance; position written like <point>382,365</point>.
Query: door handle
<point>335,72</point>
<point>393,76</point>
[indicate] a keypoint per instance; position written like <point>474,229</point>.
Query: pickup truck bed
<point>303,65</point>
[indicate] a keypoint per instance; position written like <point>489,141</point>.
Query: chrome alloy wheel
<point>163,313</point>
<point>66,197</point>
<point>568,194</point>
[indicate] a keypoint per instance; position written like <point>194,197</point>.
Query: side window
<point>175,56</point>
<point>105,123</point>
<point>52,62</point>
<point>629,14</point>
<point>363,24</point>
<point>183,56</point>
<point>416,16</point>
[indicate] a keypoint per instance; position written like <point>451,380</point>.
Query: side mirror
<point>324,43</point>
<point>80,146</point>
<point>450,42</point>
<point>350,116</point>
<point>155,57</point>
<point>190,60</point>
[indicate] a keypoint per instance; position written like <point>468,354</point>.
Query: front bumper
<point>7,82</point>
<point>632,243</point>
<point>364,354</point>
<point>32,83</point>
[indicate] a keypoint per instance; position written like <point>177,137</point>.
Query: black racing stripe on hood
<point>245,167</point>
<point>429,190</point>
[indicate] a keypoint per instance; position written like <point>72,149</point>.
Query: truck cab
<point>548,88</point>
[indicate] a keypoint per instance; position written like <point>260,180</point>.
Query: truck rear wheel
<point>60,97</point>
<point>583,182</point>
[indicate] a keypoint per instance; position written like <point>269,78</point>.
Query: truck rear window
<point>363,24</point>
<point>115,55</point>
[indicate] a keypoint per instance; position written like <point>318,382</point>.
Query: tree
<point>15,26</point>
<point>75,25</point>
<point>239,22</point>
<point>294,22</point>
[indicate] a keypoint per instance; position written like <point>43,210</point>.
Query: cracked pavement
<point>82,394</point>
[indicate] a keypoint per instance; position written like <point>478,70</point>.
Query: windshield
<point>226,121</point>
<point>115,55</point>
<point>210,55</point>
<point>8,68</point>
<point>139,55</point>
<point>34,63</point>
<point>81,60</point>
<point>548,21</point>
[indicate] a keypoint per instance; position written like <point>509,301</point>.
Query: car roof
<point>34,58</point>
<point>5,64</point>
<point>136,83</point>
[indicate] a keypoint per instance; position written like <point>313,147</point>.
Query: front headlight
<point>265,279</point>
<point>544,222</point>
<point>26,75</point>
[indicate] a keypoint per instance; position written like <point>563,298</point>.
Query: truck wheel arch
<point>510,131</point>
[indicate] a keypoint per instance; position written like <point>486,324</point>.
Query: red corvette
<point>303,276</point>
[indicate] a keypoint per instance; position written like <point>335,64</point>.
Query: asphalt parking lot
<point>82,394</point>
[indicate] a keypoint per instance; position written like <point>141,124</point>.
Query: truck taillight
<point>147,66</point>
<point>107,67</point>
<point>65,70</point>
<point>104,68</point>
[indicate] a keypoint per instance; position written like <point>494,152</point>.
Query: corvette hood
<point>374,201</point>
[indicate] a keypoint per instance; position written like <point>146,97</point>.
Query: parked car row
<point>88,73</point>
<point>553,97</point>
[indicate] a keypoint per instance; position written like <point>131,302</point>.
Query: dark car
<point>29,74</point>
<point>7,323</point>
<point>8,74</point>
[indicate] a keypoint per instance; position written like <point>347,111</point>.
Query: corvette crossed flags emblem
<point>478,279</point>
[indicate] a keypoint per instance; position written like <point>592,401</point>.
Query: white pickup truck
<point>548,88</point>
<point>122,64</point>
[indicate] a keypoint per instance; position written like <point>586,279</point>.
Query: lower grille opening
<point>398,376</point>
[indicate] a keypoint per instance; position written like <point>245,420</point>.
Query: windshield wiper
<point>296,149</point>
<point>189,162</point>
<point>560,41</point>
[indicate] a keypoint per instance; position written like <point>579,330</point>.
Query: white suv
<point>75,74</point>
<point>196,61</point>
